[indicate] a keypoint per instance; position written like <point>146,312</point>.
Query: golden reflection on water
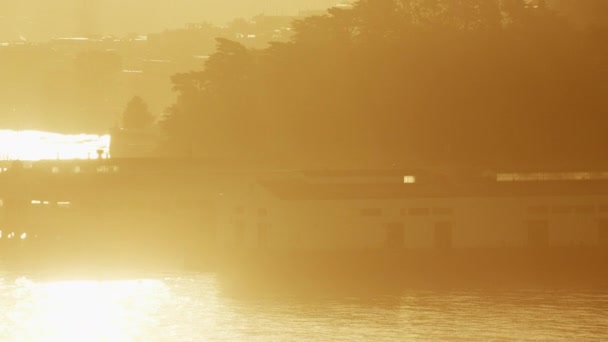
<point>200,307</point>
<point>84,310</point>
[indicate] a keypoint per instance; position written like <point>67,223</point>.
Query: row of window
<point>442,235</point>
<point>551,176</point>
<point>61,204</point>
<point>374,212</point>
<point>78,169</point>
<point>538,234</point>
<point>567,209</point>
<point>12,235</point>
<point>537,230</point>
<point>533,177</point>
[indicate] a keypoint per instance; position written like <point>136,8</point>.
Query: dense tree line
<point>401,82</point>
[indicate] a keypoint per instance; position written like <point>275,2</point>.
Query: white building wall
<point>357,224</point>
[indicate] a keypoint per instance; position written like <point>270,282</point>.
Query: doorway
<point>443,235</point>
<point>394,235</point>
<point>538,233</point>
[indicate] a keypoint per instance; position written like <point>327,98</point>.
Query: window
<point>419,211</point>
<point>103,169</point>
<point>538,210</point>
<point>409,179</point>
<point>394,235</point>
<point>561,209</point>
<point>107,169</point>
<point>443,211</point>
<point>371,212</point>
<point>443,235</point>
<point>603,233</point>
<point>538,233</point>
<point>64,204</point>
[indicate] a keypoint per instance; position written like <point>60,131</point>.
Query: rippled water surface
<point>196,307</point>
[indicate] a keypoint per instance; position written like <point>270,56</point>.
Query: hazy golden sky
<point>42,19</point>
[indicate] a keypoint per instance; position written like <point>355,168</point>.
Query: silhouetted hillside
<point>40,20</point>
<point>82,84</point>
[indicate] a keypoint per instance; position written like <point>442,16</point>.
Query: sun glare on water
<point>37,145</point>
<point>86,310</point>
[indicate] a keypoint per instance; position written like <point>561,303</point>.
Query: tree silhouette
<point>484,82</point>
<point>137,116</point>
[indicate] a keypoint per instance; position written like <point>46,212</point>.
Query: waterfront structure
<point>421,209</point>
<point>308,210</point>
<point>203,214</point>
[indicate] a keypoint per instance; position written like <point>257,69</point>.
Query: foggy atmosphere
<point>306,170</point>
